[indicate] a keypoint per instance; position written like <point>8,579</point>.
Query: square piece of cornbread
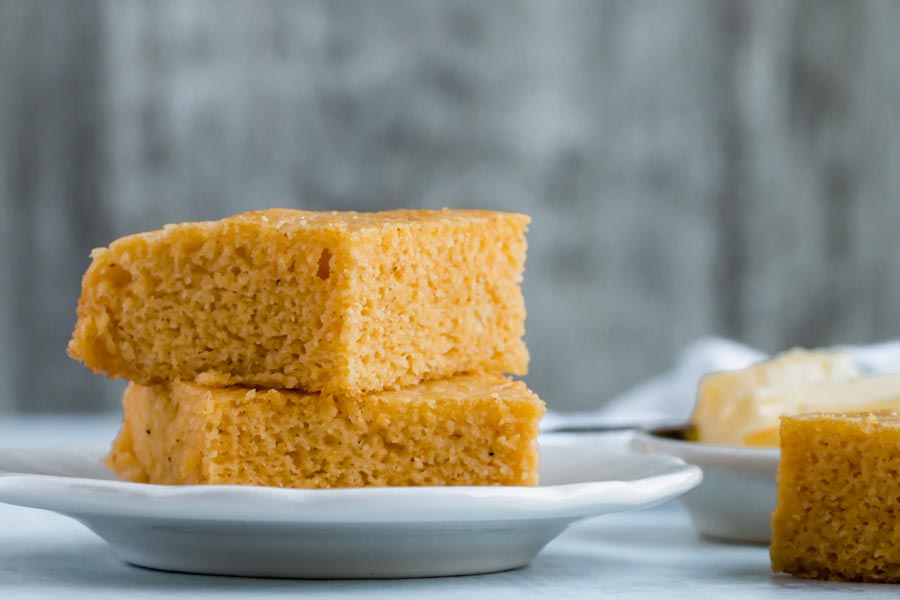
<point>838,488</point>
<point>465,430</point>
<point>338,301</point>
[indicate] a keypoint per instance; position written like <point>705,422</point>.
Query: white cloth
<point>669,397</point>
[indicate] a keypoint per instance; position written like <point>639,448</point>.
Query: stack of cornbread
<point>302,349</point>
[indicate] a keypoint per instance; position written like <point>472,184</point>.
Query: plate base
<point>338,551</point>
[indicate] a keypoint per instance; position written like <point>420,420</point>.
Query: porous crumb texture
<point>465,430</point>
<point>337,302</point>
<point>838,492</point>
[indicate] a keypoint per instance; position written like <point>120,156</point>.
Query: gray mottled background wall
<point>692,167</point>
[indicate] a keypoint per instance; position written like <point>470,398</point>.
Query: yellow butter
<point>744,407</point>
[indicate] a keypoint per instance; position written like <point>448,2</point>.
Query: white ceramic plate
<point>344,533</point>
<point>737,496</point>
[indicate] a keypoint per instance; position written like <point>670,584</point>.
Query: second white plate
<point>343,533</point>
<point>737,497</point>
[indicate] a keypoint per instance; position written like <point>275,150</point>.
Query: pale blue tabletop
<point>647,554</point>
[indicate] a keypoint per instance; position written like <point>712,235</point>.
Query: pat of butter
<point>744,407</point>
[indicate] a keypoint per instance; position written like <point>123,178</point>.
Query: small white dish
<point>343,533</point>
<point>737,496</point>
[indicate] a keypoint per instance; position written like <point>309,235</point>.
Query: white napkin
<point>668,398</point>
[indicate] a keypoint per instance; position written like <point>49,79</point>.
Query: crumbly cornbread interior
<point>838,493</point>
<point>465,430</point>
<point>339,302</point>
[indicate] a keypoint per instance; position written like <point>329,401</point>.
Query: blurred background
<point>695,167</point>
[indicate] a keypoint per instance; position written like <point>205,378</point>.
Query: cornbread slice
<point>340,302</point>
<point>743,407</point>
<point>465,430</point>
<point>838,490</point>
